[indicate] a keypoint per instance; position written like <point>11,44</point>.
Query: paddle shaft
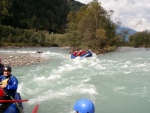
<point>6,101</point>
<point>17,105</point>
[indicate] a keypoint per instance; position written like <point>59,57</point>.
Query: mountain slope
<point>125,32</point>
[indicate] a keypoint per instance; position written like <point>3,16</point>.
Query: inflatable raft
<point>16,106</point>
<point>87,54</point>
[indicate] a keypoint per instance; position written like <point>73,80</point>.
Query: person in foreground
<point>1,67</point>
<point>9,84</point>
<point>84,106</point>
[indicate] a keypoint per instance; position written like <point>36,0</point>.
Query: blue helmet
<point>84,106</point>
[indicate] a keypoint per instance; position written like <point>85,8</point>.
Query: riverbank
<point>21,59</point>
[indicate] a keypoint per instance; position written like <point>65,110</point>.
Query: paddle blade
<point>1,92</point>
<point>35,110</point>
<point>5,101</point>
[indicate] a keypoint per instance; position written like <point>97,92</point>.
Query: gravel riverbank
<point>21,59</point>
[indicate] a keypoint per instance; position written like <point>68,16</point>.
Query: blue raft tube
<point>88,54</point>
<point>13,108</point>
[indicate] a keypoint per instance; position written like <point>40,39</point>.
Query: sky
<point>134,14</point>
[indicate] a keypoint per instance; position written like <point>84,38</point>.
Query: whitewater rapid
<point>117,82</point>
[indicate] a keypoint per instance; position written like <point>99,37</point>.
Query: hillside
<point>125,31</point>
<point>48,15</point>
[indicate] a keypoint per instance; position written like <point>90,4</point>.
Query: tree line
<point>37,14</point>
<point>140,39</point>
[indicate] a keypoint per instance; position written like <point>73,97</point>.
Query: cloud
<point>131,13</point>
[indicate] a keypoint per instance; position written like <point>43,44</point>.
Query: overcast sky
<point>134,14</point>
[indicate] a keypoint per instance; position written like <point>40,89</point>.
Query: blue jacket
<point>11,86</point>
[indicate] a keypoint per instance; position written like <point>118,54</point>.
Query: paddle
<point>35,110</point>
<point>17,105</point>
<point>5,101</point>
<point>2,94</point>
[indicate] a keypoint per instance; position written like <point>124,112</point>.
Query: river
<point>117,82</point>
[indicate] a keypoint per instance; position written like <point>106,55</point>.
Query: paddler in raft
<point>9,84</point>
<point>1,67</point>
<point>81,53</point>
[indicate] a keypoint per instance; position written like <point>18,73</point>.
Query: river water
<point>117,82</point>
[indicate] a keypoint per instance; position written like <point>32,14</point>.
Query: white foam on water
<point>7,51</point>
<point>79,86</point>
<point>65,92</point>
<point>119,88</point>
<point>127,72</point>
<point>25,51</point>
<point>124,66</point>
<point>54,76</point>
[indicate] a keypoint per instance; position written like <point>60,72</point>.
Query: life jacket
<point>75,53</point>
<point>5,82</point>
<point>81,52</point>
<point>12,84</point>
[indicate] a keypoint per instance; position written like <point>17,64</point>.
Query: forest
<point>37,14</point>
<point>62,23</point>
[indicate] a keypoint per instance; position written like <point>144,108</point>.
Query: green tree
<point>140,39</point>
<point>93,25</point>
<point>4,9</point>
